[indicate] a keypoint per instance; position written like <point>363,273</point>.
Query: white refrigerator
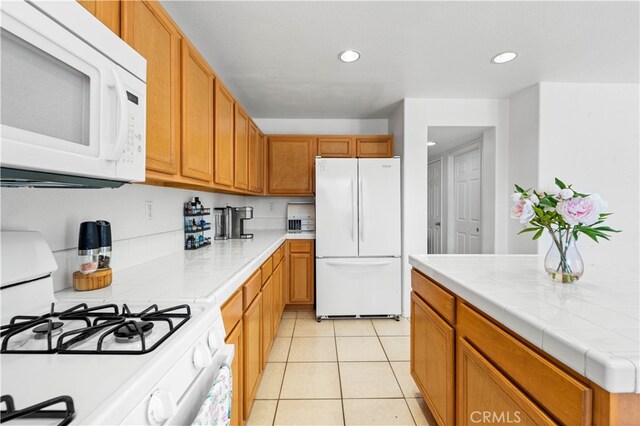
<point>358,237</point>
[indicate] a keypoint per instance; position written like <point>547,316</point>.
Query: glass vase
<point>563,262</point>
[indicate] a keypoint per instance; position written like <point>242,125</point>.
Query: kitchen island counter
<point>209,274</point>
<point>592,326</point>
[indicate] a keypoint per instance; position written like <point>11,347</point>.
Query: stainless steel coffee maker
<point>238,217</point>
<point>222,217</point>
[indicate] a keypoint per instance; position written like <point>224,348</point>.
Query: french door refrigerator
<point>358,237</point>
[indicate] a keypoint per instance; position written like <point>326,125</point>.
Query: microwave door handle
<point>122,106</point>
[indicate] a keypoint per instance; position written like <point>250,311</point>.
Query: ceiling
<point>280,58</point>
<point>448,138</point>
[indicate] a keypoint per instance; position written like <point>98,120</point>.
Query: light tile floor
<point>342,372</point>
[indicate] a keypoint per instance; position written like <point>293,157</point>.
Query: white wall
<point>57,214</point>
<point>524,138</point>
<point>418,115</point>
<point>328,126</point>
<point>589,137</point>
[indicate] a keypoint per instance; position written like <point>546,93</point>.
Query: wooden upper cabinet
<point>255,159</point>
<point>147,28</point>
<point>261,148</point>
<point>241,155</point>
<point>223,156</point>
<point>107,11</point>
<point>337,147</point>
<point>374,146</point>
<point>290,167</point>
<point>482,388</point>
<point>197,115</point>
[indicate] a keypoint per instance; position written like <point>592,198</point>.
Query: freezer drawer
<point>358,286</point>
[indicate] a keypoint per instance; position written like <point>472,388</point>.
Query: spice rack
<point>195,225</point>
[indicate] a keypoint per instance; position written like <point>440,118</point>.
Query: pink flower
<point>523,210</point>
<point>581,210</point>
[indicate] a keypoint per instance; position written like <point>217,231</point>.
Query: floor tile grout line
<point>335,339</point>
<point>275,413</point>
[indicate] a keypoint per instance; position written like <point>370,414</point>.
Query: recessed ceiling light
<point>349,55</point>
<point>504,57</point>
<point>431,143</point>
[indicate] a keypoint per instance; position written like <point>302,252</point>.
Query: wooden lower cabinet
<point>267,319</point>
<point>252,362</point>
<point>235,337</point>
<point>301,272</point>
<point>486,396</point>
<point>432,359</point>
<point>278,295</point>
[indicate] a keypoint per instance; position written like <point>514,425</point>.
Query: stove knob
<point>162,407</point>
<point>201,356</point>
<point>212,340</point>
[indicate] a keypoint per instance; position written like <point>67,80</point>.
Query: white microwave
<point>72,99</point>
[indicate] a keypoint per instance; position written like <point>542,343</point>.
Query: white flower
<point>534,199</point>
<point>551,189</point>
<point>582,210</point>
<point>523,210</point>
<point>516,196</point>
<point>566,193</point>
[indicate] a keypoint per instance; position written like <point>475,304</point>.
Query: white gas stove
<point>112,363</point>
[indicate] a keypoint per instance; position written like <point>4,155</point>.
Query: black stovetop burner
<point>124,325</point>
<point>39,411</point>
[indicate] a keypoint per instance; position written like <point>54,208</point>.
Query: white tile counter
<point>210,274</point>
<point>592,326</point>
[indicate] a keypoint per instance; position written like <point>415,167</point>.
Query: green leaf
<point>538,234</point>
<point>560,184</point>
<point>529,230</point>
<point>519,189</point>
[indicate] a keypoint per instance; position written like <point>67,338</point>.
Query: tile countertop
<point>210,274</point>
<point>592,326</point>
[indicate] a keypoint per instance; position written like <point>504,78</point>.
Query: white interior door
<point>434,207</point>
<point>379,209</point>
<point>466,188</point>
<point>336,207</point>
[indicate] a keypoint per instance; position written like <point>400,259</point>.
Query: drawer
<point>232,311</point>
<point>567,399</point>
<point>438,298</point>
<point>266,269</point>
<point>251,288</point>
<point>278,255</point>
<point>300,246</point>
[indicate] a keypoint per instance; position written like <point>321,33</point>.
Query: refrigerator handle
<point>361,211</point>
<point>353,207</point>
<point>347,263</point>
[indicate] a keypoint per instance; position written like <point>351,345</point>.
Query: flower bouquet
<point>565,214</point>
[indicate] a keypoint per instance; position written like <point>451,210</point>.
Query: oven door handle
<point>224,355</point>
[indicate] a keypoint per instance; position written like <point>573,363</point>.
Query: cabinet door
<point>147,28</point>
<point>223,156</point>
<point>252,330</point>
<point>336,147</point>
<point>267,319</point>
<point>290,165</point>
<point>486,396</point>
<point>278,303</point>
<point>374,146</point>
<point>197,115</point>
<point>241,156</point>
<point>255,169</point>
<point>107,11</point>
<point>261,149</point>
<point>432,359</point>
<point>301,275</point>
<point>235,338</point>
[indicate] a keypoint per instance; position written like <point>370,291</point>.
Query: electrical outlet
<point>271,207</point>
<point>148,210</point>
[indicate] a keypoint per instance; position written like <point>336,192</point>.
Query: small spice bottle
<point>88,247</point>
<point>104,237</point>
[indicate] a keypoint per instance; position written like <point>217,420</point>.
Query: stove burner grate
<point>133,331</point>
<point>52,329</point>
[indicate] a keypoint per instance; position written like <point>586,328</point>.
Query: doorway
<point>455,189</point>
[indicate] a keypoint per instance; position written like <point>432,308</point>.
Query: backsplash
<point>271,212</point>
<point>57,214</point>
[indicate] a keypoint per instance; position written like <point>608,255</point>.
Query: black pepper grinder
<point>104,235</point>
<point>88,247</point>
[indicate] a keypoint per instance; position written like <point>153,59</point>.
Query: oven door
<point>64,104</point>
